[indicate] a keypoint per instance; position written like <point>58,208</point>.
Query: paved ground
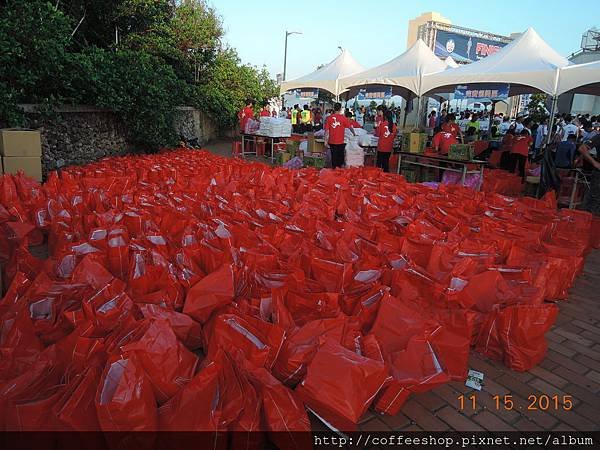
<point>571,368</point>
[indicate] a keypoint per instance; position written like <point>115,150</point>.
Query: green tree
<point>228,84</point>
<point>140,58</point>
<point>537,107</point>
<point>33,42</point>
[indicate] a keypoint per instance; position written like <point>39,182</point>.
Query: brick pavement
<point>571,368</point>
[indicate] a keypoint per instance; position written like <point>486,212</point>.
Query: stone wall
<point>77,135</point>
<point>192,123</point>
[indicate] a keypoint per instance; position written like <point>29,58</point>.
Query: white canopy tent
<point>528,64</point>
<point>328,76</point>
<point>404,73</point>
<point>580,79</point>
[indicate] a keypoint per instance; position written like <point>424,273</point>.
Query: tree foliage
<point>140,58</point>
<point>537,107</point>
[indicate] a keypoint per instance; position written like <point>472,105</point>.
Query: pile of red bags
<point>501,182</point>
<point>184,291</point>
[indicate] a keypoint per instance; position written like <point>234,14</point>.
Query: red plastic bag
<point>273,309</point>
<point>282,411</point>
<point>156,286</point>
<point>484,291</point>
<point>168,364</point>
<point>213,291</point>
<point>196,407</point>
<point>125,399</point>
<point>188,331</point>
<point>452,341</point>
<point>118,256</point>
<point>396,323</point>
<point>300,347</point>
<point>340,385</point>
<point>417,368</point>
<point>258,340</point>
<point>308,306</point>
<point>516,335</point>
<point>76,409</point>
<point>331,275</point>
<point>35,414</point>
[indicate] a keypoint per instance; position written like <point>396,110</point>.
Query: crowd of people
<point>573,142</point>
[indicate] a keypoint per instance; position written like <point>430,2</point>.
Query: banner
<point>375,93</point>
<point>463,48</point>
<point>306,93</point>
<point>491,91</point>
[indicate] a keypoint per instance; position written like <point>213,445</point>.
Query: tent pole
<point>405,114</point>
<point>418,119</point>
<point>552,117</point>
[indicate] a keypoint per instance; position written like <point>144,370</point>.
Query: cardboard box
<point>414,142</point>
<point>31,165</point>
<point>319,147</point>
<point>19,142</point>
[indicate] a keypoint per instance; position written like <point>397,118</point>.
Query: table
<point>252,137</point>
<point>418,161</point>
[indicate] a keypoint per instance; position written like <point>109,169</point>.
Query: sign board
<point>375,93</point>
<point>491,91</point>
<point>305,93</point>
<point>464,48</point>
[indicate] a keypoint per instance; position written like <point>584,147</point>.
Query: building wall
<point>414,24</point>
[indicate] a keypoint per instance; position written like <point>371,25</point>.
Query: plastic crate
<point>314,161</point>
<point>461,152</point>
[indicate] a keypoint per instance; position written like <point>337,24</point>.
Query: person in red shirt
<point>335,125</point>
<point>519,152</point>
<point>264,112</point>
<point>353,122</point>
<point>452,127</point>
<point>386,132</point>
<point>442,141</point>
<point>380,115</point>
<point>318,119</point>
<point>505,150</point>
<point>245,114</point>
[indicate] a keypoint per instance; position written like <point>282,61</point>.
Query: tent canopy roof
<point>450,63</point>
<point>327,76</point>
<point>528,62</point>
<point>580,78</point>
<point>403,73</point>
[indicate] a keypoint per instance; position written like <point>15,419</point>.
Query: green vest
<point>294,116</point>
<point>305,115</point>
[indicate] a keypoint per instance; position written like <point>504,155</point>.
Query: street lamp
<point>287,33</point>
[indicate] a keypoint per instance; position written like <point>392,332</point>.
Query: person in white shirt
<point>360,116</point>
<point>542,133</point>
<point>505,125</point>
<point>519,125</point>
<point>569,128</point>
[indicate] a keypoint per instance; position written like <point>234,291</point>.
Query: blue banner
<point>375,93</point>
<point>464,48</point>
<point>491,91</point>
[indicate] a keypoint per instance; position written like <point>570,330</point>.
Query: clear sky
<point>376,31</point>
